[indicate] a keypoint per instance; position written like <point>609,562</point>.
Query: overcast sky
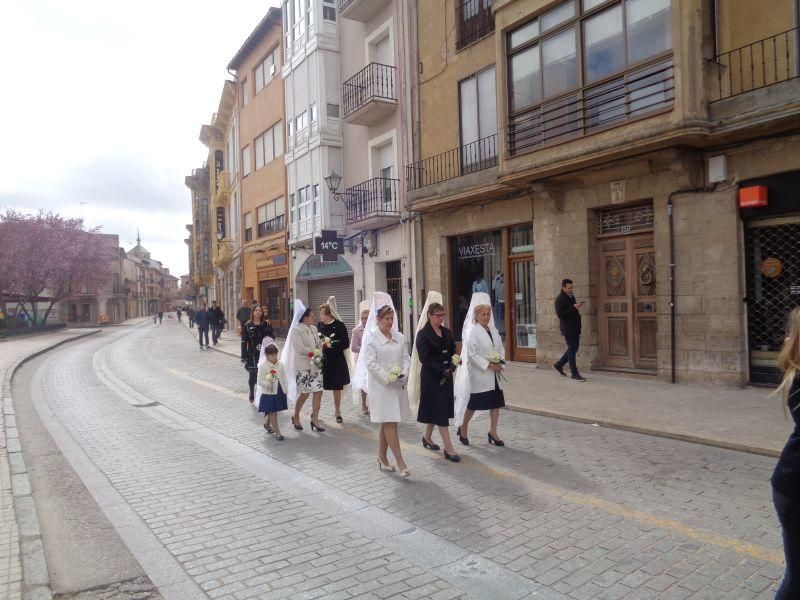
<point>103,103</point>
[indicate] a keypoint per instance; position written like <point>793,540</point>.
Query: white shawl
<point>462,383</point>
<point>379,300</point>
<point>416,366</point>
<point>288,354</point>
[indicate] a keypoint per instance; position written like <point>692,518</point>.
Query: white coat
<point>263,371</point>
<point>481,345</point>
<point>305,340</point>
<point>388,402</point>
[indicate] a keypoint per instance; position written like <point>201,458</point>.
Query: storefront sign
<point>794,290</point>
<point>221,219</point>
<point>329,246</point>
<point>475,250</point>
<point>771,268</point>
<point>754,196</point>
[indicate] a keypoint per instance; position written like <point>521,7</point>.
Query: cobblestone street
<point>163,437</point>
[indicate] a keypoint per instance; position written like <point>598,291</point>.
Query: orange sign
<point>754,196</point>
<point>771,268</point>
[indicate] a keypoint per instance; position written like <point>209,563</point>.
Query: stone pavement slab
<point>23,568</point>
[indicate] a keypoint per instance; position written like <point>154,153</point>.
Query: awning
<point>315,268</point>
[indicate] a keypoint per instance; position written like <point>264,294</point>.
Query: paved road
<point>167,444</point>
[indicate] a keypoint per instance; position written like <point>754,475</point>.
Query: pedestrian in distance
<point>477,384</point>
<point>256,330</point>
<point>201,317</point>
<point>242,316</point>
<point>271,388</point>
<point>190,315</point>
<point>178,312</point>
<point>216,321</point>
<point>355,348</point>
<point>335,343</point>
<point>433,364</point>
<point>569,318</point>
<point>160,316</point>
<point>155,318</point>
<point>786,477</point>
<point>386,360</point>
<point>302,356</point>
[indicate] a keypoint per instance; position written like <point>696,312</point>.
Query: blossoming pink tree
<point>48,258</point>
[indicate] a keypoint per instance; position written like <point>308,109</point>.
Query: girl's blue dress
<point>269,403</point>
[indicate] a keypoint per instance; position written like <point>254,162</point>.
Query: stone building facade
<point>625,153</point>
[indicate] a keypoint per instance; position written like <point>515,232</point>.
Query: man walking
<point>201,317</point>
<point>160,316</point>
<point>190,314</point>
<point>217,321</point>
<point>569,317</point>
<point>242,316</point>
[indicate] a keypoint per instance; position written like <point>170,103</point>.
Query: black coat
<point>253,335</point>
<point>786,477</point>
<point>436,400</point>
<point>335,370</point>
<point>568,316</point>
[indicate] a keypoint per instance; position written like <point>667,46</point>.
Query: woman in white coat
<point>387,362</point>
<point>303,343</point>
<point>477,386</point>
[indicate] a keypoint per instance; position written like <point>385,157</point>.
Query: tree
<point>49,257</point>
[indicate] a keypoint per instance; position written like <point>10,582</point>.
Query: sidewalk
<point>739,419</point>
<point>23,568</point>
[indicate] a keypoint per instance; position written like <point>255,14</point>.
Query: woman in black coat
<point>255,330</point>
<point>435,347</point>
<point>335,370</point>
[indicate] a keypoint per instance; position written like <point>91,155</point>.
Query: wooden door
<point>626,302</point>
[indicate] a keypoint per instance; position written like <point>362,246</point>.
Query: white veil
<point>379,300</point>
<point>416,366</point>
<point>462,384</point>
<point>262,358</point>
<point>288,354</point>
<point>335,314</point>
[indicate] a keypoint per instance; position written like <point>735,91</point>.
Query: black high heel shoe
<point>339,419</point>
<point>429,445</point>
<point>268,428</point>
<point>463,440</point>
<point>495,441</point>
<point>297,425</point>
<point>452,457</point>
<point>315,427</point>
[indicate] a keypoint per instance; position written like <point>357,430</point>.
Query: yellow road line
<point>700,535</point>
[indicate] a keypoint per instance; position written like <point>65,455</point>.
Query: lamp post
<point>332,181</point>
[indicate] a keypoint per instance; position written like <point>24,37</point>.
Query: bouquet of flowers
<point>271,377</point>
<point>455,362</point>
<point>317,359</point>
<point>395,374</point>
<point>496,358</point>
<point>327,342</point>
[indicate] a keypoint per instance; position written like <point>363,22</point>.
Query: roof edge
<point>273,17</point>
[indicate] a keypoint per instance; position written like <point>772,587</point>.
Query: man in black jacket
<point>217,321</point>
<point>242,316</point>
<point>569,318</point>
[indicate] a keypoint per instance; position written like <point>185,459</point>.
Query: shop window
<point>476,262</point>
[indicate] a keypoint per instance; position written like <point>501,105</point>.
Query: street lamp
<point>332,181</point>
<point>220,236</point>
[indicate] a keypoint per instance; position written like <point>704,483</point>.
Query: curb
<point>692,439</point>
<point>35,577</point>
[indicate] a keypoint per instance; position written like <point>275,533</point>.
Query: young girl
<point>272,379</point>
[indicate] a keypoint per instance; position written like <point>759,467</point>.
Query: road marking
<point>701,535</point>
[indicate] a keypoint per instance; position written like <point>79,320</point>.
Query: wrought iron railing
<point>475,21</point>
<point>469,158</point>
<point>375,81</point>
<point>343,4</point>
<point>373,198</point>
<point>610,103</point>
<point>757,65</point>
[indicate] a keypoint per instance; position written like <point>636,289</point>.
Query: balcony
<point>635,94</point>
<point>463,160</point>
<point>272,226</point>
<point>758,65</point>
<point>369,96</point>
<point>361,10</point>
<point>373,203</point>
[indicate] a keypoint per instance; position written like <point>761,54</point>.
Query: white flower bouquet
<point>496,358</point>
<point>395,374</point>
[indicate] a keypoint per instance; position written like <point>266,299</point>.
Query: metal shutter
<point>342,287</point>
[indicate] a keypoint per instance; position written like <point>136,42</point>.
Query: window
<point>316,200</point>
<point>267,69</point>
<point>314,111</point>
<point>301,125</point>
<point>332,111</point>
<point>293,208</point>
<point>271,217</point>
<point>305,206</point>
<point>290,133</point>
<point>475,21</point>
<point>269,145</point>
<point>248,227</point>
<point>245,92</point>
<point>478,105</point>
<point>546,69</point>
<point>246,161</point>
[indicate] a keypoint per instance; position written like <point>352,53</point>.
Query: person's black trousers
<point>191,323</point>
<point>573,341</point>
<point>203,332</point>
<point>251,381</point>
<point>214,334</point>
<point>241,353</point>
<point>789,516</point>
